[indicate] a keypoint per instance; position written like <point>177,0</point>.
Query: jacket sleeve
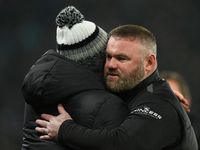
<point>110,118</point>
<point>142,129</point>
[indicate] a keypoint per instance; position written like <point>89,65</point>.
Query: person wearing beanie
<point>80,40</point>
<point>70,75</point>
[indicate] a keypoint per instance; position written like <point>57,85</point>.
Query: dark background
<point>27,30</point>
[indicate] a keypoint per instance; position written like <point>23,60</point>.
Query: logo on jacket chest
<point>146,111</point>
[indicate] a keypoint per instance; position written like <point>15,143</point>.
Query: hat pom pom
<point>69,17</point>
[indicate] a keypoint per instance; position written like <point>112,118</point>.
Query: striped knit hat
<point>80,40</point>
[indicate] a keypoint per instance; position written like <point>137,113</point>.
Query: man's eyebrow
<point>117,55</point>
<point>121,55</point>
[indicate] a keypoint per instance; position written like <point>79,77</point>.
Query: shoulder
<point>159,114</point>
<point>158,102</point>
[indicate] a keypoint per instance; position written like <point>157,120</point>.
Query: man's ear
<point>150,62</point>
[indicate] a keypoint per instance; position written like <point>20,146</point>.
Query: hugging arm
<point>130,134</point>
<point>182,100</point>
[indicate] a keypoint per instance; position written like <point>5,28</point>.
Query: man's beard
<point>127,81</point>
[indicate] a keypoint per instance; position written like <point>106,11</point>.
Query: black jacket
<point>54,79</point>
<point>157,121</point>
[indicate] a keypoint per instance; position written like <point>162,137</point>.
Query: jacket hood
<point>54,78</point>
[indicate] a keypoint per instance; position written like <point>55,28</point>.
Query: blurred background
<point>27,30</point>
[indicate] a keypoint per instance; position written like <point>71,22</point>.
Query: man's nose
<point>111,64</point>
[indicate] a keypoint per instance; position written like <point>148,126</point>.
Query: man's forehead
<point>127,38</point>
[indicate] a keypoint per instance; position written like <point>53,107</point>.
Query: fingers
<point>42,123</point>
<point>185,104</point>
<point>47,116</point>
<point>186,108</point>
<point>184,101</point>
<point>181,98</point>
<point>61,109</point>
<point>41,130</point>
<point>178,94</point>
<point>45,137</point>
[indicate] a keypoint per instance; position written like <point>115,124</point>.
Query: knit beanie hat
<point>80,40</point>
